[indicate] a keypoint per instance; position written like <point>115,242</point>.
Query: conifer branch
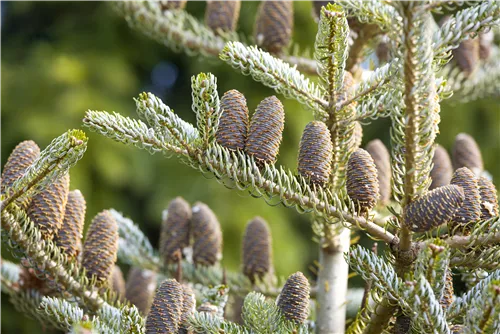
<point>206,106</point>
<point>275,73</point>
<point>485,233</point>
<point>62,313</point>
<point>484,312</point>
<point>208,323</point>
<point>373,12</point>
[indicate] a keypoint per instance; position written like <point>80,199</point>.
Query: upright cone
<point>188,306</point>
<point>467,55</point>
<point>447,297</point>
<point>435,208</point>
<point>442,170</point>
<point>101,247</point>
<point>118,282</point>
<point>207,236</point>
<point>165,313</point>
<point>470,211</point>
<point>23,155</point>
<point>140,288</point>
<point>222,15</point>
<point>274,25</point>
<point>489,198</point>
<point>257,249</point>
<point>47,207</point>
<point>232,132</point>
<point>361,181</point>
<point>485,45</point>
<point>382,160</point>
<point>466,153</point>
<point>315,153</point>
<point>266,130</point>
<point>293,300</point>
<point>175,230</point>
<point>69,237</point>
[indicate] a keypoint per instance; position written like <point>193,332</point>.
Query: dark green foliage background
<point>61,58</point>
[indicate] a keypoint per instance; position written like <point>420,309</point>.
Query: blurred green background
<point>61,58</point>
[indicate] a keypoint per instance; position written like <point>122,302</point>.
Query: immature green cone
<point>165,313</point>
<point>315,153</point>
<point>140,288</point>
<point>117,281</point>
<point>489,198</point>
<point>23,155</point>
<point>188,306</point>
<point>433,209</point>
<point>233,124</point>
<point>172,4</point>
<point>274,25</point>
<point>466,153</point>
<point>175,230</point>
<point>207,236</point>
<point>47,207</point>
<point>467,55</point>
<point>382,160</point>
<point>470,210</point>
<point>222,15</point>
<point>257,249</point>
<point>485,45</point>
<point>442,170</point>
<point>69,236</point>
<point>293,300</point>
<point>101,247</point>
<point>447,297</point>
<point>266,130</point>
<point>361,181</point>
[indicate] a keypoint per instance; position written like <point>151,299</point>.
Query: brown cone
<point>274,25</point>
<point>172,4</point>
<point>233,125</point>
<point>165,313</point>
<point>485,45</point>
<point>118,282</point>
<point>266,130</point>
<point>442,170</point>
<point>46,209</point>
<point>382,160</point>
<point>293,300</point>
<point>101,247</point>
<point>175,230</point>
<point>207,236</point>
<point>447,298</point>
<point>257,249</point>
<point>222,15</point>
<point>140,288</point>
<point>315,153</point>
<point>433,209</point>
<point>23,155</point>
<point>489,198</point>
<point>470,210</point>
<point>467,55</point>
<point>466,153</point>
<point>362,182</point>
<point>69,236</point>
<point>188,306</point>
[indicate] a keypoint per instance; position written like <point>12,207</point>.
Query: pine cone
<point>118,282</point>
<point>188,306</point>
<point>293,300</point>
<point>442,170</point>
<point>345,92</point>
<point>447,297</point>
<point>470,210</point>
<point>382,160</point>
<point>47,207</point>
<point>434,208</point>
<point>140,288</point>
<point>175,230</point>
<point>489,199</point>
<point>23,155</point>
<point>207,236</point>
<point>485,45</point>
<point>266,129</point>
<point>257,249</point>
<point>274,25</point>
<point>315,153</point>
<point>69,236</point>
<point>361,182</point>
<point>233,125</point>
<point>222,15</point>
<point>172,4</point>
<point>467,55</point>
<point>165,314</point>
<point>101,247</point>
<point>382,52</point>
<point>466,153</point>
